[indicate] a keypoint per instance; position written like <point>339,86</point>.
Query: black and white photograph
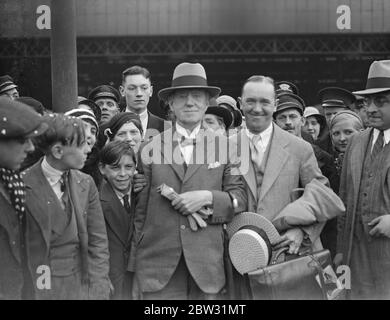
<point>207,152</point>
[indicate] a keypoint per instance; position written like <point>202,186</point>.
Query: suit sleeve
<point>98,254</point>
<point>141,205</point>
<point>317,204</point>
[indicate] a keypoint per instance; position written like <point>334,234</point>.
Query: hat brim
<point>10,87</point>
<point>254,219</point>
<point>370,91</point>
<point>289,107</point>
<point>163,94</point>
<point>38,131</point>
<point>222,112</point>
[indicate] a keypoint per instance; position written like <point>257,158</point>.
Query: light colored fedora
<point>378,79</point>
<point>189,76</point>
<point>251,239</point>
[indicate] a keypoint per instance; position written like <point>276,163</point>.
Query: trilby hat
<point>189,76</point>
<point>378,79</point>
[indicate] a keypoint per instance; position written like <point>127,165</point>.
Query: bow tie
<point>187,141</point>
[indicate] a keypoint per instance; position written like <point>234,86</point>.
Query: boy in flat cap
<point>18,124</point>
<point>65,224</point>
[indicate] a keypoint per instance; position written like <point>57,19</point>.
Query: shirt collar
<point>143,115</point>
<point>52,174</point>
<point>265,135</point>
<point>386,135</point>
<point>182,131</point>
<point>120,195</point>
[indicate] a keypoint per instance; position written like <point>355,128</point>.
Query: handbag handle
<point>278,254</point>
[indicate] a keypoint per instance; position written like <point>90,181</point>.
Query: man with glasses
<point>137,89</point>
<point>364,231</point>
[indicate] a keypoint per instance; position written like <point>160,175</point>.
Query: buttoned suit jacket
<point>350,179</point>
<point>90,224</point>
<point>119,232</point>
<point>162,234</point>
<point>291,165</point>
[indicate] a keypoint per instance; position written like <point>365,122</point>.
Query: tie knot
<point>126,198</point>
<point>63,179</point>
<point>256,138</point>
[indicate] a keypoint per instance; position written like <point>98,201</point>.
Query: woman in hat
<point>217,118</point>
<point>127,127</point>
<point>342,127</point>
<point>315,124</point>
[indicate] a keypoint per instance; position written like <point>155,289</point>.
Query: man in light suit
<point>364,231</point>
<point>172,260</point>
<point>281,166</point>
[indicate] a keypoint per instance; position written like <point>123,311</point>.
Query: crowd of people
<point>109,201</point>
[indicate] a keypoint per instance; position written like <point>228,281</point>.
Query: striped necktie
<point>256,153</point>
<point>378,146</point>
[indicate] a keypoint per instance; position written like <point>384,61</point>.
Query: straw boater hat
<point>189,76</point>
<point>378,79</point>
<point>251,239</point>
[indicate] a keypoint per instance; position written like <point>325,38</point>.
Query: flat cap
<point>335,97</point>
<point>6,83</point>
<point>104,91</point>
<point>18,120</point>
<point>288,100</point>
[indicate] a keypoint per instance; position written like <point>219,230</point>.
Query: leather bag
<point>294,278</point>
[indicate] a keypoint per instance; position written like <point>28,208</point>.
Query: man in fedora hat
<point>18,124</point>
<point>364,230</point>
<point>175,259</point>
<point>279,163</point>
<point>8,88</point>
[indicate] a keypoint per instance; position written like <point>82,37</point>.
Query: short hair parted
<point>257,78</point>
<point>113,151</point>
<point>134,70</point>
<point>64,129</point>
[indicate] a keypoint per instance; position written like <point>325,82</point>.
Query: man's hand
<point>191,201</point>
<point>380,226</point>
<point>292,238</point>
<point>139,182</point>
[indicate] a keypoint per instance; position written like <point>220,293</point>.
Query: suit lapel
<point>37,184</point>
<point>114,213</point>
<point>170,150</point>
<point>358,157</point>
<point>276,161</point>
<point>79,198</point>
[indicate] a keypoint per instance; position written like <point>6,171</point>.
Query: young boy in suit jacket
<point>66,232</point>
<point>117,165</point>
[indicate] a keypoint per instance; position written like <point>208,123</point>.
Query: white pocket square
<point>214,165</point>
